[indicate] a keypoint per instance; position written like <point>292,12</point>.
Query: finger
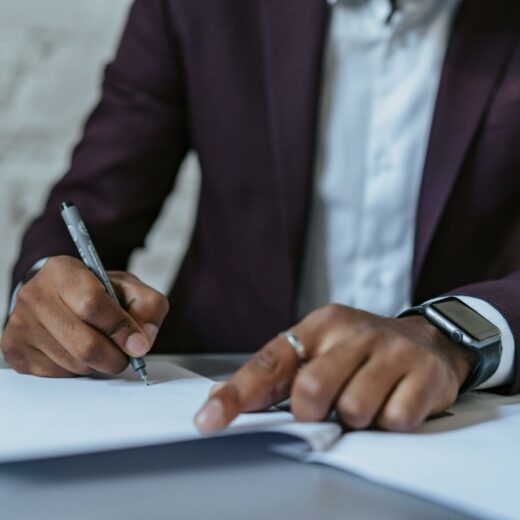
<point>264,380</point>
<point>90,302</point>
<point>47,345</point>
<point>409,405</point>
<point>146,305</point>
<point>318,383</point>
<point>19,341</point>
<point>84,343</point>
<point>368,390</point>
<point>221,408</point>
<point>26,359</point>
<point>216,387</point>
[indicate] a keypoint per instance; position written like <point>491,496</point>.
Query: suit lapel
<point>475,62</point>
<point>293,33</point>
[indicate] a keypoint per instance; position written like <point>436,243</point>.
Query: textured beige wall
<point>51,57</point>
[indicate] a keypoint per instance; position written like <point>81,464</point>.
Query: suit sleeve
<point>133,143</point>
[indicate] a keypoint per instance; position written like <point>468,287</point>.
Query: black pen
<point>85,246</point>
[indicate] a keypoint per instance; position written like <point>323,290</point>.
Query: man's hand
<point>393,373</point>
<point>65,323</point>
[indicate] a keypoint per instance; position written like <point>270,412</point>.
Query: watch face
<point>467,319</point>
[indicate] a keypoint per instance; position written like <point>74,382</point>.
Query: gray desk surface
<point>234,478</point>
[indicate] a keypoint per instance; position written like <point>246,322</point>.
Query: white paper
<point>42,418</point>
<point>468,461</point>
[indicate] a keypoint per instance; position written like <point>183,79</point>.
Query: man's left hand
<point>392,373</point>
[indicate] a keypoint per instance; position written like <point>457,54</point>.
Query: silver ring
<point>296,344</point>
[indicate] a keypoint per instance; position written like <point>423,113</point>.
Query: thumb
<point>147,306</point>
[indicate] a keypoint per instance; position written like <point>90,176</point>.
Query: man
<point>361,153</point>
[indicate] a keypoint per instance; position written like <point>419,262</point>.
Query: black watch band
<point>467,328</point>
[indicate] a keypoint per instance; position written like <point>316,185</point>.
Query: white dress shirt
<point>380,82</point>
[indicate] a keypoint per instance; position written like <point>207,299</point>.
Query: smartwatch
<point>470,330</point>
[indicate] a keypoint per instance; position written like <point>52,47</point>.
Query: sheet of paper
<point>468,461</point>
<point>53,417</point>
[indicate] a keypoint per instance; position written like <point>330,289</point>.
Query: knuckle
<point>320,320</point>
<point>399,419</point>
<point>332,311</point>
<point>148,300</point>
<point>16,321</point>
<point>59,261</point>
<point>156,303</point>
<point>25,294</point>
<point>352,410</point>
<point>57,265</point>
<point>151,297</point>
<point>56,261</point>
<point>309,386</point>
<point>90,351</point>
<point>401,350</point>
<point>90,305</point>
<point>16,357</point>
<point>126,276</point>
<point>52,264</point>
<point>266,361</point>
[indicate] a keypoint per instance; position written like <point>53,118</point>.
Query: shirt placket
<point>380,170</point>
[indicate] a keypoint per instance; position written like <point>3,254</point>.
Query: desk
<point>211,479</point>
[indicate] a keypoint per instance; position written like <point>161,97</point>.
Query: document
<point>467,460</point>
<point>42,418</point>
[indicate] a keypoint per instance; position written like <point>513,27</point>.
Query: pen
<point>85,246</point>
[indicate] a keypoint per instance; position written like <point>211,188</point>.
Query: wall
<point>51,57</point>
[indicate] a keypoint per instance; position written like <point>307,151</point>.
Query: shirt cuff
<point>504,373</point>
<point>33,270</point>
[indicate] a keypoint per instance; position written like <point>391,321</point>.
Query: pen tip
<point>146,380</point>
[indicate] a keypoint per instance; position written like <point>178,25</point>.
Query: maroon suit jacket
<point>239,82</point>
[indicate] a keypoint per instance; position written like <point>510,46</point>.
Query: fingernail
<point>209,419</point>
<point>151,331</point>
<point>137,345</point>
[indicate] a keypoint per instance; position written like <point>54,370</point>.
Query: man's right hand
<point>65,323</point>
